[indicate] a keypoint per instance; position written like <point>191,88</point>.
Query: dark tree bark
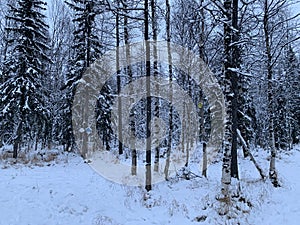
<point>170,72</point>
<point>120,136</point>
<point>148,104</point>
<point>234,82</point>
<point>202,56</point>
<point>204,167</point>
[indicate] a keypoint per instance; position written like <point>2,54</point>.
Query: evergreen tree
<point>104,104</point>
<point>86,43</point>
<point>23,94</point>
<point>291,90</point>
<point>87,49</point>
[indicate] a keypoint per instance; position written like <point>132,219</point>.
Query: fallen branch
<point>250,154</point>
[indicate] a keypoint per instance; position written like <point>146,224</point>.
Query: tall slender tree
<point>226,168</point>
<point>118,41</point>
<point>155,73</point>
<point>87,48</point>
<point>148,103</point>
<point>129,73</point>
<point>275,42</point>
<point>235,59</point>
<point>170,74</point>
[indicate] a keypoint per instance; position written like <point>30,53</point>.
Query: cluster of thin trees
<point>250,45</point>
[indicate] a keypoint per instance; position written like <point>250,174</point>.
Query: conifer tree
<point>86,47</point>
<point>23,94</point>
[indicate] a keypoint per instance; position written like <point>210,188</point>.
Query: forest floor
<point>68,191</point>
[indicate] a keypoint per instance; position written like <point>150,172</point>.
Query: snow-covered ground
<point>283,206</point>
<point>70,192</point>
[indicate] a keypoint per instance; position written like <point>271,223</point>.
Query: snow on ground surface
<point>283,207</point>
<point>70,192</point>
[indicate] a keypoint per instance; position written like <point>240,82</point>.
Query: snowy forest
<point>251,47</point>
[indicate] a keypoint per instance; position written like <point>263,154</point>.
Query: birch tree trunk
<point>155,73</point>
<point>272,169</point>
<point>226,167</point>
<point>130,75</point>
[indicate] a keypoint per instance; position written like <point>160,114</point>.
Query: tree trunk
<point>120,136</point>
<point>234,84</point>
<point>188,137</point>
<point>204,167</point>
<point>272,169</point>
<point>148,104</point>
<point>202,56</point>
<point>226,167</point>
<point>130,75</point>
<point>17,139</point>
<point>170,72</point>
<point>250,154</point>
<point>155,72</point>
<point>183,128</point>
